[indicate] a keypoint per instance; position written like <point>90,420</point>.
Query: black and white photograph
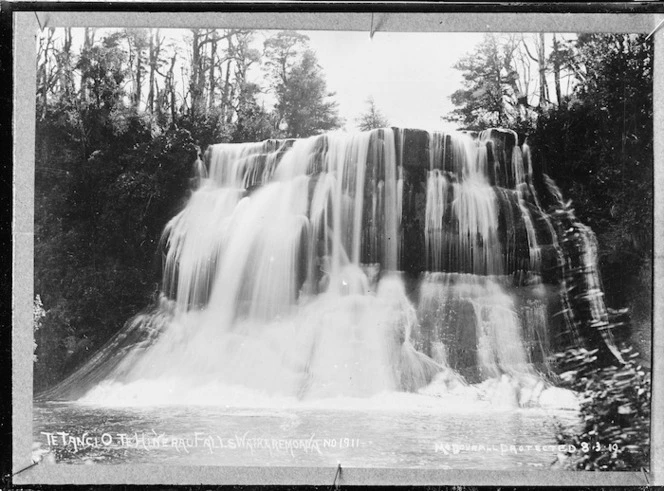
<point>337,248</point>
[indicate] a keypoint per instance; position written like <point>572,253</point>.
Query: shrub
<point>614,432</point>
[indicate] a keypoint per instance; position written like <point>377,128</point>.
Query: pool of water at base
<point>376,436</point>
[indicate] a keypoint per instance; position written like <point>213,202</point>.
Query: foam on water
<point>439,396</point>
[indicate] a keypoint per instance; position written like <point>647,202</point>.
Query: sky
<point>409,75</point>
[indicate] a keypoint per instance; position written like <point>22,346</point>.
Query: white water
<point>283,273</point>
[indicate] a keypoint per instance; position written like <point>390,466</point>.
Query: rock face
<point>477,222</point>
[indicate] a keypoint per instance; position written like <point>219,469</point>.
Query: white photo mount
<point>26,23</point>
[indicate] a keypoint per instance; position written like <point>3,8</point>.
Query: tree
<point>304,101</point>
<point>47,75</point>
<point>254,123</point>
<point>154,51</point>
<point>281,53</point>
<point>88,41</point>
<point>238,91</point>
<point>197,73</point>
<point>137,42</point>
<point>372,118</point>
<point>490,94</point>
<point>555,60</point>
<point>104,69</point>
<point>541,61</point>
<point>303,105</point>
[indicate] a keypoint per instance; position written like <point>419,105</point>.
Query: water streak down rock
<point>352,263</point>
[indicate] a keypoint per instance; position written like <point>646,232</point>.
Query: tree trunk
<point>88,40</point>
<point>225,96</point>
<point>200,79</point>
<point>541,60</point>
<point>171,90</point>
<point>66,81</point>
<point>212,82</point>
<point>42,69</point>
<point>132,73</point>
<point>227,91</point>
<point>153,66</point>
<point>231,110</point>
<point>139,79</point>
<point>556,69</point>
<point>195,65</point>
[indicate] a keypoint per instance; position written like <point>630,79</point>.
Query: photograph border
<point>25,26</point>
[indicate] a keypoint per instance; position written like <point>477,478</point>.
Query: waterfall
<point>357,263</point>
<point>435,212</point>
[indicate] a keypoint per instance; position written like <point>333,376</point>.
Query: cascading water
<point>353,264</point>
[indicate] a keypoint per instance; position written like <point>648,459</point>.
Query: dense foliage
<point>97,226</point>
<point>598,148</point>
<point>117,137</point>
<point>615,413</point>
